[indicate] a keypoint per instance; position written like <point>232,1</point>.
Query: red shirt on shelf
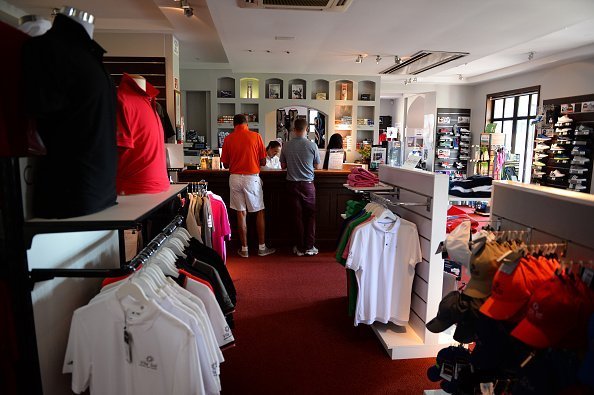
<point>142,165</point>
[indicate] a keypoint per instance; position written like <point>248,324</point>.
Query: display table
<point>331,201</point>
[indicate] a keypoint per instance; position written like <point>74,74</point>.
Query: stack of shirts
<point>360,177</point>
<point>475,186</point>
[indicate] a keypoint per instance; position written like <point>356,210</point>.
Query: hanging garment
<point>384,257</point>
<point>142,166</point>
<point>72,98</point>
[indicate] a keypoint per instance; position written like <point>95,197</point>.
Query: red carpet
<point>293,335</point>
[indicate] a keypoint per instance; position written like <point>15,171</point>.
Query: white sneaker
<point>540,156</point>
<point>580,160</point>
<point>580,187</point>
<point>538,174</point>
<point>556,174</point>
<point>538,164</point>
<point>541,147</point>
<point>312,251</point>
<point>555,147</point>
<point>266,251</point>
<point>297,252</point>
<point>576,180</point>
<point>578,170</point>
<point>562,131</point>
<point>564,119</point>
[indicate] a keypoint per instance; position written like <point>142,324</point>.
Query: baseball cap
<point>451,310</point>
<point>553,312</point>
<point>511,292</point>
<point>457,243</point>
<point>483,267</point>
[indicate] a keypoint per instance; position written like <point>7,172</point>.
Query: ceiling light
<point>460,77</point>
<point>397,59</point>
<point>377,59</point>
<point>530,55</point>
<point>359,59</point>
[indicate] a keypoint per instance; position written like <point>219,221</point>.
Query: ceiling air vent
<point>423,61</point>
<point>304,5</point>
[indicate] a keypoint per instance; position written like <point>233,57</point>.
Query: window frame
<point>515,94</point>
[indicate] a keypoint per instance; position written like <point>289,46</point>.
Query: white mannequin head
<point>82,17</point>
<point>34,25</point>
<point>140,81</point>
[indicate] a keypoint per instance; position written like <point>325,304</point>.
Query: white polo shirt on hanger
<point>163,349</point>
<point>384,257</point>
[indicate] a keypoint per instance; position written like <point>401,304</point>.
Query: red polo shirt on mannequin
<point>142,164</point>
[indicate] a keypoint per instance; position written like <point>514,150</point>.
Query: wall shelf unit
<point>226,111</point>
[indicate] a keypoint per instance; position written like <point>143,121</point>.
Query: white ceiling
<point>498,34</point>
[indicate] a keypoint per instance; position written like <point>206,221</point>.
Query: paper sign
<point>335,159</point>
<point>411,162</point>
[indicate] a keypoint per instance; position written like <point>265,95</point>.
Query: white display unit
<point>550,214</point>
<point>264,106</point>
<point>417,187</point>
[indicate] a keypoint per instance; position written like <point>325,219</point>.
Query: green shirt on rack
<point>347,235</point>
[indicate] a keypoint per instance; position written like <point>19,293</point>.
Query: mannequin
<point>64,74</point>
<point>34,25</point>
<point>140,81</point>
<point>84,18</point>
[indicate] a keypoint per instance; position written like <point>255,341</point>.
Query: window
<point>512,112</point>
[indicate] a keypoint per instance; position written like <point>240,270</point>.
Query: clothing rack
<point>37,275</point>
<point>198,187</point>
<point>420,197</point>
<point>517,205</point>
<point>378,197</point>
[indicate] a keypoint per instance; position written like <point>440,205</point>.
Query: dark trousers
<point>302,204</point>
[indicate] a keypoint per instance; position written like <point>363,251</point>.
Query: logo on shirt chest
<point>148,362</point>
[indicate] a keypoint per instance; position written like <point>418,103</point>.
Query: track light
<point>460,77</point>
<point>359,59</point>
<point>530,55</point>
<point>377,59</point>
<point>397,59</point>
<point>188,10</point>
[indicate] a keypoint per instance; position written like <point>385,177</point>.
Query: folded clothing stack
<point>474,186</point>
<point>360,177</point>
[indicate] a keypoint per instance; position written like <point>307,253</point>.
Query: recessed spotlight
<point>397,59</point>
<point>530,55</point>
<point>268,51</point>
<point>287,52</point>
<point>359,59</point>
<point>378,59</point>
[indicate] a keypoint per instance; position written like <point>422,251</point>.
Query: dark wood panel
<point>331,199</point>
<point>151,68</point>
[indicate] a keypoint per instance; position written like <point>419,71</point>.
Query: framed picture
<point>274,91</point>
<point>297,91</point>
<point>177,104</point>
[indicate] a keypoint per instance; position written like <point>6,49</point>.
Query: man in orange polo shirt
<point>243,154</point>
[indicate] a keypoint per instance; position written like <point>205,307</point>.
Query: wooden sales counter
<point>331,202</point>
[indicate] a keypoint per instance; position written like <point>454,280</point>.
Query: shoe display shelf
<point>452,142</point>
<point>570,143</point>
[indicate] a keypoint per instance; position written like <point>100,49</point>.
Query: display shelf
<point>126,214</point>
<point>365,128</point>
<point>320,86</point>
<point>225,100</point>
<point>226,84</point>
<point>403,342</point>
<point>297,89</point>
<point>366,87</point>
<point>344,90</point>
<point>452,198</point>
<point>379,187</point>
<point>249,88</point>
<point>451,122</point>
<point>276,91</point>
<point>225,125</point>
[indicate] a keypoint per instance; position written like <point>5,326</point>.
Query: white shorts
<point>246,192</point>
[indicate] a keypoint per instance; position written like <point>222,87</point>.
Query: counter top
<point>318,173</point>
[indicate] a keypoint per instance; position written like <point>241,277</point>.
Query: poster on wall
<point>378,157</point>
<point>274,91</point>
<point>297,91</point>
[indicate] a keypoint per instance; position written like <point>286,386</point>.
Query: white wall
<point>55,300</point>
<point>571,79</point>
